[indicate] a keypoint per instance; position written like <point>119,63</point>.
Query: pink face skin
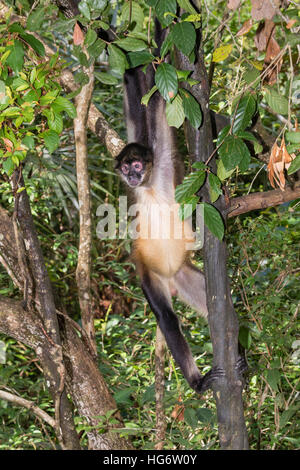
<point>133,171</point>
<point>136,166</point>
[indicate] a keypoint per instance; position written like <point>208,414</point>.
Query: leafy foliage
<point>264,256</point>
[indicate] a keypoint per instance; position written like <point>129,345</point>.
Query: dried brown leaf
<point>264,9</point>
<point>280,161</point>
<point>272,52</point>
<point>245,28</point>
<point>263,33</point>
<point>78,36</point>
<point>233,4</point>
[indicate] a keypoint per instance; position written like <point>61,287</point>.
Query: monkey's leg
<point>158,296</point>
<point>189,283</point>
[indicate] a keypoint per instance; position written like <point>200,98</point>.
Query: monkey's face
<point>134,172</point>
<point>134,165</point>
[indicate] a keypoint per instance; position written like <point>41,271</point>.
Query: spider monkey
<point>151,168</point>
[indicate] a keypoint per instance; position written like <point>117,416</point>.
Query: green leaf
<point>273,378</point>
<point>233,151</point>
<point>175,113</point>
<point>162,8</point>
<point>117,59</point>
<point>191,108</point>
<point>214,187</point>
<point>186,5</point>
<point>213,220</point>
<point>63,104</point>
<point>166,81</point>
<point>85,9</point>
<point>190,186</point>
<point>286,415</point>
<point>51,139</point>
<point>106,78</point>
<point>166,45</point>
<point>244,114</point>
<point>139,58</point>
<point>245,337</point>
<point>35,19</point>
<point>28,141</point>
<point>246,135</point>
<point>147,96</point>
<point>96,48</point>
<point>184,37</point>
<point>11,111</point>
<point>16,57</point>
<point>187,208</point>
<point>293,137</point>
<point>205,415</point>
<point>221,53</point>
<point>55,123</point>
<point>131,44</point>
<point>90,37</point>
<point>34,43</point>
<point>135,13</point>
<point>295,165</point>
<point>8,166</point>
<point>276,101</point>
<point>190,417</point>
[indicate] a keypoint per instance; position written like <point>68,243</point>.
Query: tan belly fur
<point>163,237</point>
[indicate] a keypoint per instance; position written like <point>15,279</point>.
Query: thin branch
<point>159,389</point>
<point>83,270</point>
<point>29,405</point>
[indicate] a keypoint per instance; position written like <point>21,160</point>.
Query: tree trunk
<point>223,322</point>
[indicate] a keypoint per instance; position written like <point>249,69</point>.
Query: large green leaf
<point>139,58</point>
<point>166,81</point>
<point>276,101</point>
<point>190,185</point>
<point>134,12</point>
<point>191,108</point>
<point>245,112</point>
<point>131,44</point>
<point>175,113</point>
<point>162,8</point>
<point>117,59</point>
<point>213,220</point>
<point>295,165</point>
<point>51,139</point>
<point>63,104</point>
<point>233,151</point>
<point>16,57</point>
<point>184,37</point>
<point>35,19</point>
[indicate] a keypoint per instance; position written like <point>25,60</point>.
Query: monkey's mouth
<point>133,181</point>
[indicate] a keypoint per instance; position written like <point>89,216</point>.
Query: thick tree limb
<point>83,379</point>
<point>262,200</point>
<point>53,360</point>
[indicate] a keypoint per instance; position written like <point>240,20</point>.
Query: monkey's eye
<point>125,168</point>
<point>138,166</point>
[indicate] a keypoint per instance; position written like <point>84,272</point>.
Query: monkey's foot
<point>205,382</point>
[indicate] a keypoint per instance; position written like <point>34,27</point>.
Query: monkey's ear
<point>119,158</point>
